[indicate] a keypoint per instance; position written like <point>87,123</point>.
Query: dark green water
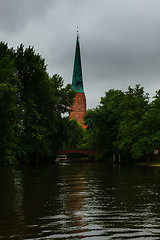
<point>79,201</point>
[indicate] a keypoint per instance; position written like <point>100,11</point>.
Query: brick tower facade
<point>79,107</point>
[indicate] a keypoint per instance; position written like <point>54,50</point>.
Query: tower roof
<point>77,79</point>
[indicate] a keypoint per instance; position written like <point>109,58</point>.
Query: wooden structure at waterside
<point>78,153</point>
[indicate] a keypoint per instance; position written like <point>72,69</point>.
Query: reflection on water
<point>18,195</point>
<point>75,202</point>
<point>79,201</point>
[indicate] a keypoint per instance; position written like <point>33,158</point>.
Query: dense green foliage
<point>74,136</point>
<point>124,123</point>
<point>32,128</point>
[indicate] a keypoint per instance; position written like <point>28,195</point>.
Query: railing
<point>84,152</point>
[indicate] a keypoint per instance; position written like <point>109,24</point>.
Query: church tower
<point>79,107</point>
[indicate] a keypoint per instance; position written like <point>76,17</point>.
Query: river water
<point>79,200</point>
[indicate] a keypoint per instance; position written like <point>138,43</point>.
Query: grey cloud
<point>119,39</point>
<point>15,14</point>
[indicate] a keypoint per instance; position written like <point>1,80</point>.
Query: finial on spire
<point>78,32</point>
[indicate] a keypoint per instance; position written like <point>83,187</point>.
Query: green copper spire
<point>77,80</point>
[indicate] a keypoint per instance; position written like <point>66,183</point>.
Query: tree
<point>134,105</point>
<point>90,136</point>
<point>74,135</point>
<point>148,131</point>
<point>103,122</point>
<point>9,105</point>
<point>43,101</point>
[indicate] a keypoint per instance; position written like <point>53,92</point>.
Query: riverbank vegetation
<point>126,124</point>
<point>32,106</point>
<point>32,128</point>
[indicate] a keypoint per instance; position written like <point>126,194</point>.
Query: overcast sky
<point>119,39</point>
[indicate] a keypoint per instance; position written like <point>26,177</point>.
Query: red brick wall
<point>79,108</point>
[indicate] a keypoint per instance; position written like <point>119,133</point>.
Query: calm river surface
<point>83,200</point>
